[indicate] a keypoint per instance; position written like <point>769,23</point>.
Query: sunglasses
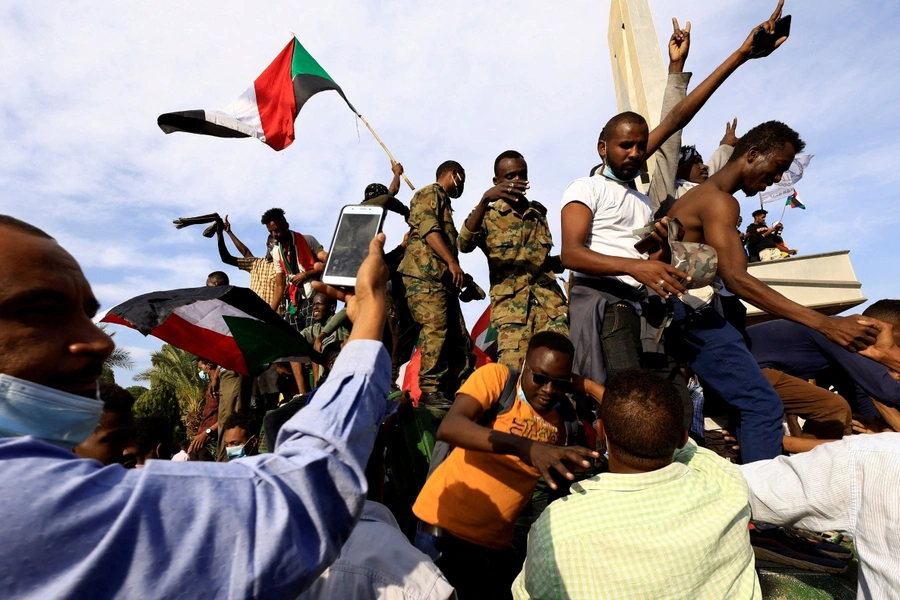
<point>560,385</point>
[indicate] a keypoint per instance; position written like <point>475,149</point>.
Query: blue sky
<point>83,83</point>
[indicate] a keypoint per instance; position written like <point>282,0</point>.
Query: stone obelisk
<point>639,74</point>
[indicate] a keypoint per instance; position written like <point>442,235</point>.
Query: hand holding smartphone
<point>762,42</point>
<point>356,227</point>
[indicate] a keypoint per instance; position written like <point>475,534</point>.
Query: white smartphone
<point>355,229</point>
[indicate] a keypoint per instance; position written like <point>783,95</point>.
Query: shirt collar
<point>624,482</point>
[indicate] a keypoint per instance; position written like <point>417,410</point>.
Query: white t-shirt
<point>618,210</point>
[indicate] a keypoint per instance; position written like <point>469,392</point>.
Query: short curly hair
<point>273,214</point>
<point>768,137</point>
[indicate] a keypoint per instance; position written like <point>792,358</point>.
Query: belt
<point>431,529</point>
<point>613,287</point>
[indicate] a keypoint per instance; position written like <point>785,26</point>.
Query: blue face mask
<point>607,172</point>
<point>525,400</point>
<point>235,452</point>
<point>56,417</point>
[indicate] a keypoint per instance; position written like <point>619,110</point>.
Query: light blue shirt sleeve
<point>261,527</point>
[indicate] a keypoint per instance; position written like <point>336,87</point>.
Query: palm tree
<point>119,359</point>
<point>176,390</point>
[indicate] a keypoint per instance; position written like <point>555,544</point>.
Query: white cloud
<point>83,83</point>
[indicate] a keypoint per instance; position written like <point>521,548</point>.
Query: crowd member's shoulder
<point>586,190</point>
<point>710,465</point>
<point>540,208</point>
<point>486,383</point>
<point>432,189</point>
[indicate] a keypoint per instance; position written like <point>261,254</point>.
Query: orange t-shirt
<point>477,496</point>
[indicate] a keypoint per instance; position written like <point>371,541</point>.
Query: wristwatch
<point>208,431</point>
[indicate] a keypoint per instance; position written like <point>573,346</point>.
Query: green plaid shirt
<point>679,532</point>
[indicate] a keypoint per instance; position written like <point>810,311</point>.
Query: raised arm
<point>397,169</point>
<point>662,187</point>
<point>244,250</point>
<point>685,110</point>
<point>224,254</point>
<point>718,217</point>
<point>292,509</point>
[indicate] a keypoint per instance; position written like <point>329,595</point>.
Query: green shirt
<point>517,248</point>
<point>429,211</point>
<point>678,532</point>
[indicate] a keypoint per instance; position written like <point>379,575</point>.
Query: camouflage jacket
<point>429,211</point>
<point>517,248</point>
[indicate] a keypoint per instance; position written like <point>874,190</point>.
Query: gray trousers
<point>608,340</point>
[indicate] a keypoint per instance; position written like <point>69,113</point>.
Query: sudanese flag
<point>230,326</point>
<point>267,109</point>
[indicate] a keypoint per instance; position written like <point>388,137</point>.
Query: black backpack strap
<point>575,435</point>
<point>506,400</point>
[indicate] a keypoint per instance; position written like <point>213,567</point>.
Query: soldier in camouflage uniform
<point>514,236</point>
<point>433,278</point>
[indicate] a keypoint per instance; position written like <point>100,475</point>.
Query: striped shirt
<point>262,277</point>
<point>677,532</point>
<point>849,485</point>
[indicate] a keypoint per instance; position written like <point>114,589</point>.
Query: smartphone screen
<point>350,246</point>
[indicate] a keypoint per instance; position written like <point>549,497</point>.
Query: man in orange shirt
<point>469,505</point>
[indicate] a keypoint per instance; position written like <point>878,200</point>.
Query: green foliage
<point>137,391</point>
<point>119,359</point>
<point>176,390</point>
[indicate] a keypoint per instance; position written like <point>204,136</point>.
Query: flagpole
<point>782,211</point>
<point>391,156</point>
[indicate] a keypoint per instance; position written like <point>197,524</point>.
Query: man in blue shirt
<point>264,526</point>
<point>790,354</point>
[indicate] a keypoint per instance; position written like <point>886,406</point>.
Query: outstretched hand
<point>854,333</point>
<point>397,169</point>
<point>679,46</point>
<point>730,138</point>
<point>766,43</point>
<point>544,457</point>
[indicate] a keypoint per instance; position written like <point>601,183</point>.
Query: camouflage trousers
<point>447,357</point>
<point>513,338</point>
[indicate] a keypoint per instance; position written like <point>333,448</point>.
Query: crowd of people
<point>631,439</point>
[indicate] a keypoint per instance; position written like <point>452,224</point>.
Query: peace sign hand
<point>679,46</point>
<point>730,138</point>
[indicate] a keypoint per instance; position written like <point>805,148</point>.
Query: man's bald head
<point>22,226</point>
<point>46,306</point>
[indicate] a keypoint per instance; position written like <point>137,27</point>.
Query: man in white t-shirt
<point>611,279</point>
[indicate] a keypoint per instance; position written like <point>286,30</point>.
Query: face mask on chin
<point>56,417</point>
<point>607,172</point>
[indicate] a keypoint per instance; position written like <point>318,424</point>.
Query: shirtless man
<point>701,337</point>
